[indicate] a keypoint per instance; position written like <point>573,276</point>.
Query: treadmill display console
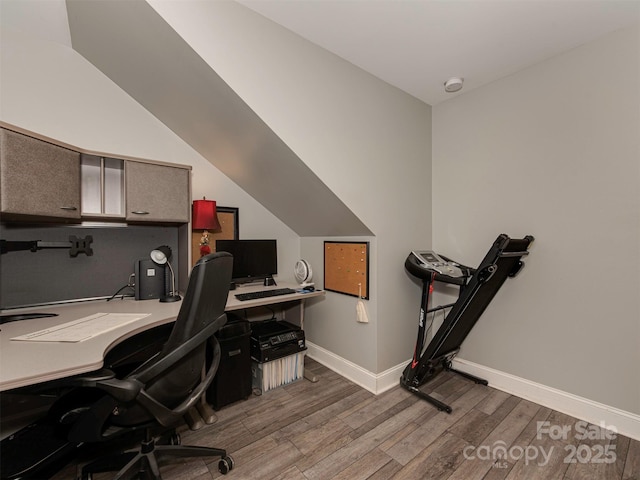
<point>430,260</point>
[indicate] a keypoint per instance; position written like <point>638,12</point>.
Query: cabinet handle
<point>69,208</point>
<point>140,212</point>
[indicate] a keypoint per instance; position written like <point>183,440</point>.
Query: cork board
<point>229,222</point>
<point>346,268</point>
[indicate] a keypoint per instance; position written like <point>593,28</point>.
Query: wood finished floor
<point>334,430</point>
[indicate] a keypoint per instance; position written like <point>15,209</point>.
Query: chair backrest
<point>203,304</point>
<point>205,298</point>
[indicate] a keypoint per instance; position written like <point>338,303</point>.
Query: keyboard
<point>264,294</point>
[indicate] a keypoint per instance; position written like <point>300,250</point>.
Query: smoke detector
<point>454,84</point>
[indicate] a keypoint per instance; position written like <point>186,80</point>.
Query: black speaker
<point>150,281</point>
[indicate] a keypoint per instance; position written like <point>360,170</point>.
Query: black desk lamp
<point>161,256</point>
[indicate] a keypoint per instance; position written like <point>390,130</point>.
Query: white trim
<point>375,383</point>
<point>626,423</point>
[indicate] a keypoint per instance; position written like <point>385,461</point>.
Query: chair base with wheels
<point>147,457</point>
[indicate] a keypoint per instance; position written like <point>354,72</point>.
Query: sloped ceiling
<point>417,45</point>
<point>132,45</point>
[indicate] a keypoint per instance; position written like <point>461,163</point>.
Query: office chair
<point>155,396</point>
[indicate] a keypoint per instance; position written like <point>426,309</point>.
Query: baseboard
<point>626,423</point>
<point>375,383</point>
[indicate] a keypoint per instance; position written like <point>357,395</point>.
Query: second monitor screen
<point>252,259</point>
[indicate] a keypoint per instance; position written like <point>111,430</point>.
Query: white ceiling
<point>417,45</point>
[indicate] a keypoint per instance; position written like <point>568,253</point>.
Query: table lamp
<point>161,256</point>
<point>204,218</point>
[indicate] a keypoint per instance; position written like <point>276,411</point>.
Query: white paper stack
<point>83,328</point>
<point>279,372</point>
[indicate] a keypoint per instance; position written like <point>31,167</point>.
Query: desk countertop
<point>25,363</point>
<point>22,362</point>
<point>234,304</point>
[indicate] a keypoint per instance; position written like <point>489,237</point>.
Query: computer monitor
<point>253,260</point>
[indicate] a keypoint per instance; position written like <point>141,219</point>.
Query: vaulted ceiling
<point>132,45</point>
<point>414,45</point>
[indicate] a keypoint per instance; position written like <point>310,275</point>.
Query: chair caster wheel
<point>225,465</point>
<point>175,439</point>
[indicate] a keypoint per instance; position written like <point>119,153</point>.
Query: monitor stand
<point>269,281</point>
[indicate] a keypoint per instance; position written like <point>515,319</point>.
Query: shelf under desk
<point>291,305</point>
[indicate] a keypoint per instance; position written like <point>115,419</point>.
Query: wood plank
<point>373,409</point>
<point>632,464</point>
<point>359,447</point>
<point>384,416</point>
<point>599,456</point>
<point>430,431</point>
<point>436,462</point>
<point>505,432</point>
<point>334,429</point>
<point>364,467</point>
<point>545,456</point>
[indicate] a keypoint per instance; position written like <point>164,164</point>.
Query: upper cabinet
<point>157,193</point>
<point>37,178</point>
<point>41,180</point>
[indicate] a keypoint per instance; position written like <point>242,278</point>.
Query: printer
<point>273,339</point>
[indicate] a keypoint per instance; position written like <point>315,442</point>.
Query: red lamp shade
<point>204,215</point>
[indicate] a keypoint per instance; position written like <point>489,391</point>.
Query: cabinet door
<point>38,178</point>
<point>102,186</point>
<point>157,193</point>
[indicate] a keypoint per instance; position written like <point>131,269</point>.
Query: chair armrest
<point>153,368</point>
<point>167,416</point>
<point>122,390</point>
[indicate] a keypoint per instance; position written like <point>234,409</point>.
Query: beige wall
<point>552,151</point>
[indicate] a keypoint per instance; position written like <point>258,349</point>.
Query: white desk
<point>291,305</point>
<point>28,363</point>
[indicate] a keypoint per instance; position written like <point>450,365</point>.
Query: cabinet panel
<point>157,193</point>
<point>38,178</point>
<point>102,186</point>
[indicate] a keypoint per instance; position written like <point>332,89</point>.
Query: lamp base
<point>170,298</point>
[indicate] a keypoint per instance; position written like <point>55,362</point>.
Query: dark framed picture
<point>229,224</point>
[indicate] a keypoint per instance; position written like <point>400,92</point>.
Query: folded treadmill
<point>477,289</point>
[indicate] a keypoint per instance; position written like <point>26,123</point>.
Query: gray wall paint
<point>552,151</point>
<point>368,142</point>
<point>29,278</point>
